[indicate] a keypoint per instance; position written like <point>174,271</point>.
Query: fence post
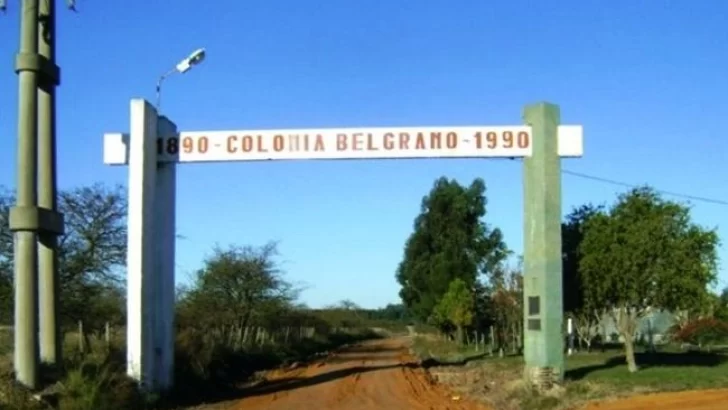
<point>80,336</point>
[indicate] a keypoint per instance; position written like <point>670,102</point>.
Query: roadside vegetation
<point>638,285</point>
<point>598,375</point>
<point>638,278</point>
<point>236,316</point>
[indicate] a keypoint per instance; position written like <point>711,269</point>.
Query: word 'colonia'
<point>357,141</point>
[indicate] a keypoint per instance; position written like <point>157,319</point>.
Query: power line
<point>628,185</point>
<point>624,184</point>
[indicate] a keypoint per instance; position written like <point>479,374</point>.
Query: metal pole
<point>160,80</point>
<point>22,216</point>
<point>50,341</point>
<point>158,103</point>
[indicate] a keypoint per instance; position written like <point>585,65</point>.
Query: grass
<point>662,370</point>
<point>589,376</point>
<point>430,348</point>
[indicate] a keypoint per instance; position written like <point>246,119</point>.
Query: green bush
<point>97,380</point>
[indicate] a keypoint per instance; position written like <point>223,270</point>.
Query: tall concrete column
<point>50,335</point>
<point>164,254</point>
<point>25,218</point>
<point>542,281</point>
<point>151,244</point>
<point>142,293</point>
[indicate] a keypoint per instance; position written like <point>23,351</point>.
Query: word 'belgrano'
<point>357,141</point>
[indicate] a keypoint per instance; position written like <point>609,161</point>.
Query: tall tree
<point>586,319</point>
<point>645,254</point>
<point>450,240</point>
<point>92,253</point>
<point>238,286</point>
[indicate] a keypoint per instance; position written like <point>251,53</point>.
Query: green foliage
<point>98,382</point>
<point>443,351</point>
<point>457,306</point>
<point>585,318</point>
<point>485,309</point>
<point>237,286</point>
<point>92,253</point>
<point>720,305</point>
<point>572,235</point>
<point>645,254</point>
<point>450,240</point>
<point>589,376</point>
<point>95,378</point>
<point>239,316</point>
<point>391,312</point>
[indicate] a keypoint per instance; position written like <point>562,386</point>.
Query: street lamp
<point>182,67</point>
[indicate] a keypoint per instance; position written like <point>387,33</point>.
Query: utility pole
<point>50,334</point>
<point>25,216</point>
<point>29,221</point>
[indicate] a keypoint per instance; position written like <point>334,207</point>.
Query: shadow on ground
<point>432,362</point>
<point>367,348</point>
<point>656,359</point>
<point>228,374</point>
<point>292,383</point>
<point>361,358</point>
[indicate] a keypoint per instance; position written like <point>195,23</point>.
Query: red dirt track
<point>377,375</point>
<point>687,400</point>
<point>382,375</point>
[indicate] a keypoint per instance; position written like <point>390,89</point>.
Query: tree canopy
<point>572,235</point>
<point>91,255</point>
<point>450,241</point>
<point>645,254</point>
<point>237,286</point>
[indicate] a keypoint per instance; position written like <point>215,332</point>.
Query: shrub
<point>98,381</point>
<point>702,332</point>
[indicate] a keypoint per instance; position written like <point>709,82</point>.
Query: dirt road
<point>688,400</point>
<point>375,375</point>
<point>381,375</point>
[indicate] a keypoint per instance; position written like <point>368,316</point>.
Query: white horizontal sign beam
<point>346,143</point>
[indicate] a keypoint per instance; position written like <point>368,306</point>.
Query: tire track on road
<point>374,375</point>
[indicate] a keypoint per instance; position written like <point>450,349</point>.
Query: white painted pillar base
<point>165,232</point>
<point>150,252</point>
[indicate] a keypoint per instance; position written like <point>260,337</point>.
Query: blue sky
<point>645,79</point>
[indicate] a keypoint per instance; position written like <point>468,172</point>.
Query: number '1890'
<point>172,146</point>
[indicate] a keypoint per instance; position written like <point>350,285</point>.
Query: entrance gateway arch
<point>153,148</point>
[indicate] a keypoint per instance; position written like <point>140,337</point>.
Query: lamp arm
<point>159,87</point>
